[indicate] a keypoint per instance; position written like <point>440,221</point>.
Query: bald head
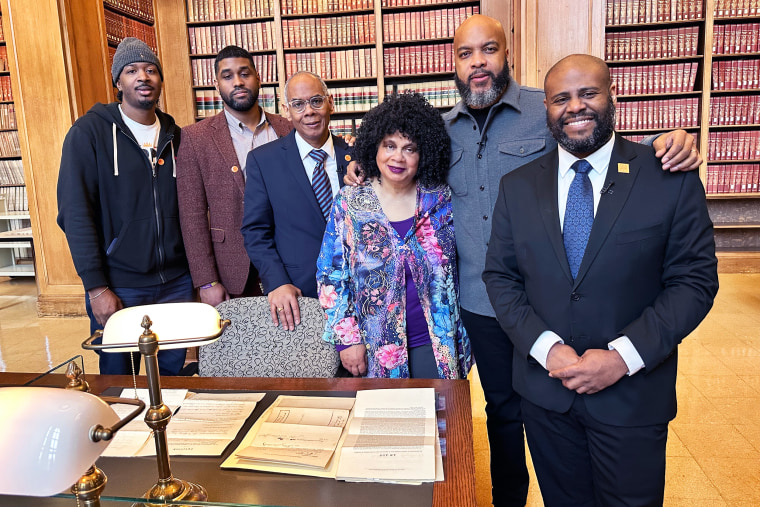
<point>583,63</point>
<point>480,57</point>
<point>479,23</point>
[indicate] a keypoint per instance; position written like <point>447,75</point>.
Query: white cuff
<point>544,342</point>
<point>628,352</point>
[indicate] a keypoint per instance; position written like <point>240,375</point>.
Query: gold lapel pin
<point>235,169</point>
<point>348,158</point>
<point>623,168</point>
<point>160,161</point>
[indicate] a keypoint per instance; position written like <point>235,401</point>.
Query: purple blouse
<point>416,326</point>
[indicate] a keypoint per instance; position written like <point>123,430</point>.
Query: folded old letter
<point>297,434</point>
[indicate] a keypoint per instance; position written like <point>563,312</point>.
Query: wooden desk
<point>459,467</point>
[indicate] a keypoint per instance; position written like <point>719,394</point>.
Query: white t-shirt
<point>146,135</point>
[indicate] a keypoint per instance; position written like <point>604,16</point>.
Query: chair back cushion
<point>253,347</point>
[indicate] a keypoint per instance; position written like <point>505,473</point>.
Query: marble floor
<point>714,442</point>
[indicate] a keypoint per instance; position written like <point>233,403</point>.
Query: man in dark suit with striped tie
<point>288,194</point>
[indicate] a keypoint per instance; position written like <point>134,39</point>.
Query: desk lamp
<point>177,325</point>
<point>50,436</point>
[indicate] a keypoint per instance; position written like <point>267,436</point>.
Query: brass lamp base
<point>89,487</point>
<point>176,489</point>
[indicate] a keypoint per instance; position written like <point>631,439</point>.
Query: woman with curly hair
<point>386,274</point>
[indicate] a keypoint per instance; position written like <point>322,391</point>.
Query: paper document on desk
<point>296,435</point>
<point>135,437</point>
<point>294,444</point>
<point>207,423</point>
<point>391,437</point>
<point>204,424</point>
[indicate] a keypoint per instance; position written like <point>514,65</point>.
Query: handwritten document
<point>297,434</point>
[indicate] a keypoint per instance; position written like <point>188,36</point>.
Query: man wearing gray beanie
<point>133,50</point>
<point>117,202</point>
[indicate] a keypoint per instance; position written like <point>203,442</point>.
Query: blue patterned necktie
<point>579,216</point>
<point>320,183</point>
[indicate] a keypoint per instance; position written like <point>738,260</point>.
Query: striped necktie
<point>579,216</point>
<point>320,183</point>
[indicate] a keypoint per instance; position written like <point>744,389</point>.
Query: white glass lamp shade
<point>181,324</point>
<point>45,441</point>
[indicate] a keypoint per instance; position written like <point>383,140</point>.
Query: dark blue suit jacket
<point>649,272</point>
<point>283,224</point>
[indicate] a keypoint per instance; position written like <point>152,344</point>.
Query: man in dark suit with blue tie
<point>599,264</point>
<point>288,194</point>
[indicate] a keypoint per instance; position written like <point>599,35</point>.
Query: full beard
<point>605,125</point>
<point>479,100</point>
<point>242,105</point>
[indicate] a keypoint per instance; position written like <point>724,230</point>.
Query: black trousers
<point>580,461</point>
<point>493,355</point>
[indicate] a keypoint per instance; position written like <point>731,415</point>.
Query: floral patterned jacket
<point>361,281</point>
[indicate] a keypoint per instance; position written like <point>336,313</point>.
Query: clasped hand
<point>590,373</point>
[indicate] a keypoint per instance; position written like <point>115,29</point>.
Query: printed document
<point>391,437</point>
<point>204,424</point>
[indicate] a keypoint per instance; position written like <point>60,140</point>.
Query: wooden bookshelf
<point>731,130</point>
<point>703,38</point>
<point>344,42</point>
<point>15,252</point>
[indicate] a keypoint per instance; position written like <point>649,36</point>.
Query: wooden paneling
<point>44,114</point>
<point>85,54</point>
<point>548,30</point>
<point>173,53</point>
<point>738,262</point>
<point>502,11</point>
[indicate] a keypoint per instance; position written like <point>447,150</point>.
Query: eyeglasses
<point>316,102</point>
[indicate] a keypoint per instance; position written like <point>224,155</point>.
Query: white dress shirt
<point>600,161</point>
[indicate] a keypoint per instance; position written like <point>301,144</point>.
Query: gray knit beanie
<point>129,51</point>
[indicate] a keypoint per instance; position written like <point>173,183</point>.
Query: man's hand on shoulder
<point>104,303</point>
<point>349,138</point>
<point>678,151</point>
<point>283,305</point>
<point>596,370</point>
<point>214,294</point>
<point>354,175</point>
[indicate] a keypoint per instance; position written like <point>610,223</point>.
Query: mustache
<point>480,73</point>
<point>573,116</point>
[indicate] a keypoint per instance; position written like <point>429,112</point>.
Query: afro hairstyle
<point>412,116</point>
